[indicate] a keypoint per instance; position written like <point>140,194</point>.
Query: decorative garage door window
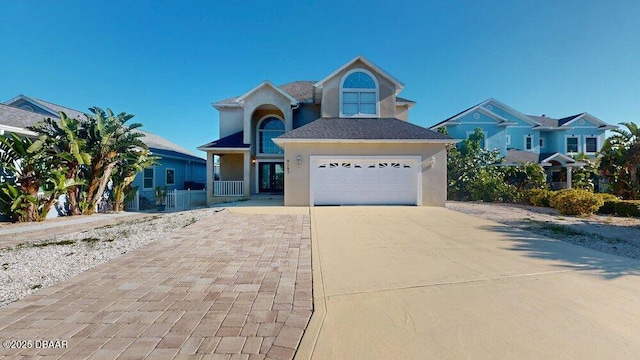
<point>365,181</point>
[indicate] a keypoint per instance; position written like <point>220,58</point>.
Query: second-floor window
<point>528,142</point>
<point>572,145</point>
<point>359,94</point>
<point>590,144</point>
<point>268,129</point>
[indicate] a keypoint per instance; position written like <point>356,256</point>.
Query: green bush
<point>621,207</point>
<point>575,202</point>
<point>607,197</point>
<point>489,188</point>
<point>538,197</point>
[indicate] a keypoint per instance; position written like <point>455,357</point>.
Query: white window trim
<point>566,147</point>
<point>343,89</point>
<point>542,142</point>
<point>507,140</point>
<point>165,176</point>
<point>258,153</point>
<point>153,178</point>
<point>584,143</point>
<point>533,138</point>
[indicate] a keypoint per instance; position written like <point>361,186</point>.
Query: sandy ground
<point>610,234</point>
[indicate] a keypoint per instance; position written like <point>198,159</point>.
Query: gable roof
<point>363,129</point>
<point>399,85</point>
<point>268,83</point>
<point>301,90</point>
<point>480,107</point>
<point>518,157</point>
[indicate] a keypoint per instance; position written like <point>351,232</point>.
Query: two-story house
<point>524,138</point>
<point>342,140</point>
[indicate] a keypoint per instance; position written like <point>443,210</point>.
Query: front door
<point>271,177</point>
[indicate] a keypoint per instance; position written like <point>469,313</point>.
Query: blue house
<point>521,138</point>
<point>178,168</point>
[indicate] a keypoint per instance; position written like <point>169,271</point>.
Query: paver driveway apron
<point>430,283</point>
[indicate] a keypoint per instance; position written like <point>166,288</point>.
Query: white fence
<point>228,188</point>
<point>175,200</point>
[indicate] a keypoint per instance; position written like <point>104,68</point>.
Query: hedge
<point>621,208</point>
<point>575,202</point>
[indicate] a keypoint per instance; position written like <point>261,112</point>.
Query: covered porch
<point>228,179</point>
<point>558,167</point>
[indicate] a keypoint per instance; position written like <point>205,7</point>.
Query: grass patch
<point>90,240</point>
<point>5,266</point>
<point>61,242</point>
<point>558,229</point>
<point>36,287</point>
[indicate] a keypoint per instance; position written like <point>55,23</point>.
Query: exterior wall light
<point>299,160</point>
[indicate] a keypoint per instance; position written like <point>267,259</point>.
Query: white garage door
<point>365,180</point>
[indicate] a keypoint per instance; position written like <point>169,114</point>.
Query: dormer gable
<point>359,88</point>
<point>270,88</point>
<point>26,103</point>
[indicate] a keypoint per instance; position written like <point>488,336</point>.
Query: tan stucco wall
<point>331,93</point>
<point>296,179</point>
<point>231,167</point>
<point>231,121</point>
<point>265,96</point>
<point>402,112</point>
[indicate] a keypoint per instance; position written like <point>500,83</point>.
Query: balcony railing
<point>228,188</point>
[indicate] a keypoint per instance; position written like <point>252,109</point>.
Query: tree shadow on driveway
<point>565,255</point>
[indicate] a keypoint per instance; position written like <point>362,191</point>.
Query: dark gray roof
<point>232,141</point>
<point>521,157</point>
<point>545,120</point>
<point>302,90</point>
<point>401,99</point>
<point>363,129</point>
<point>568,118</point>
<point>20,118</point>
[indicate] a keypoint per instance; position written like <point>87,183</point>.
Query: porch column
<point>247,173</point>
<point>210,178</point>
<point>569,170</point>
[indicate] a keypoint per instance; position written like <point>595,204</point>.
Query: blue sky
<point>167,61</point>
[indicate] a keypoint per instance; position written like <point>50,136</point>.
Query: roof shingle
<point>363,129</point>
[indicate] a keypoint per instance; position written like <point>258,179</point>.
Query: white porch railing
<point>228,188</point>
<point>175,200</point>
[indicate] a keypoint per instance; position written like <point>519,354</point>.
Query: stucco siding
<point>231,167</point>
<point>402,113</point>
<point>331,93</point>
<point>496,109</point>
<point>305,114</point>
<point>297,179</point>
<point>231,121</point>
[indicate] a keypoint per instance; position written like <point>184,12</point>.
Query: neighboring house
<point>178,168</point>
<point>342,140</point>
<point>532,139</point>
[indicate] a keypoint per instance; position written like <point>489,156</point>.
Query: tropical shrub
<point>621,207</point>
<point>489,188</point>
<point>538,197</point>
<point>619,161</point>
<point>586,176</point>
<point>575,202</point>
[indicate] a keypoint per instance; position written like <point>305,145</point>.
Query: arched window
<point>269,128</point>
<point>359,94</point>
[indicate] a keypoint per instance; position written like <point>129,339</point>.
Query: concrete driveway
<point>430,283</point>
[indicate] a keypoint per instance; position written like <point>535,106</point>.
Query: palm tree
<point>63,143</point>
<point>108,138</point>
<point>25,173</point>
<point>129,165</point>
<point>620,159</point>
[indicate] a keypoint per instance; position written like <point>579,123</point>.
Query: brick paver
<point>232,286</point>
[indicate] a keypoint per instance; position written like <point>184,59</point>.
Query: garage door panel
<point>364,181</point>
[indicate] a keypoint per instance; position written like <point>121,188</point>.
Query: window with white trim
<point>528,142</point>
<point>170,177</point>
<point>269,128</point>
<point>147,181</point>
<point>359,94</point>
<point>571,144</point>
<point>590,144</point>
